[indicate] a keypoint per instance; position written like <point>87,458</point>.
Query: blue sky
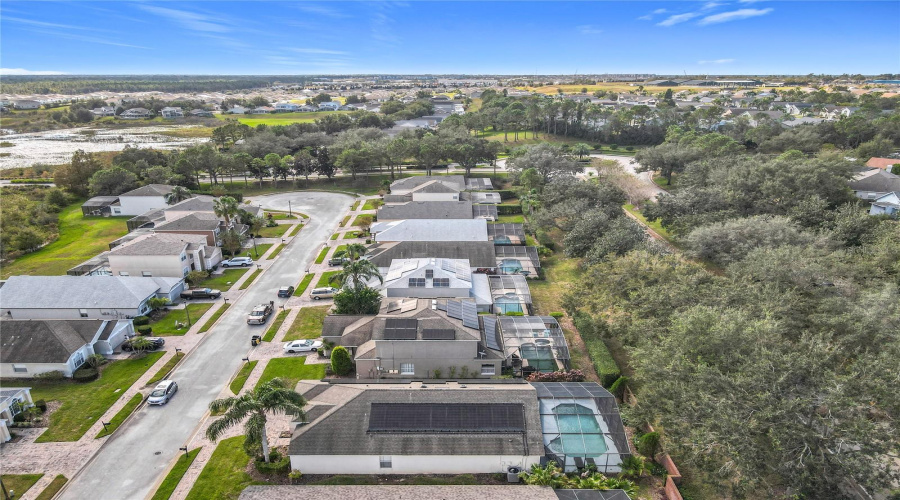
<point>505,37</point>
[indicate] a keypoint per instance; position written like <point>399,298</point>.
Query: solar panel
<point>447,417</point>
<point>408,305</point>
<point>417,282</point>
<point>429,274</point>
<point>490,333</point>
<point>454,309</point>
<point>400,328</point>
<point>438,334</point>
<point>470,315</point>
<point>442,282</point>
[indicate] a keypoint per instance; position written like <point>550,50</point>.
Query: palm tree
<point>581,150</point>
<point>178,193</point>
<point>353,251</point>
<point>226,207</point>
<point>271,397</point>
<point>357,273</point>
<point>255,224</point>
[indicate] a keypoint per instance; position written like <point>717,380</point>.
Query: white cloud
<point>678,18</point>
<point>716,61</point>
<point>23,71</point>
<point>318,51</point>
<point>654,13</point>
<point>734,15</point>
<point>321,10</point>
<point>710,5</point>
<point>190,20</point>
<point>749,1</point>
<point>589,29</point>
<point>660,11</point>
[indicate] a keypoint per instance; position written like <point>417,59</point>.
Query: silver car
<point>323,293</point>
<point>163,392</point>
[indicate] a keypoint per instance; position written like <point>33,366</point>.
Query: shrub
<point>145,330</point>
<point>648,444</point>
<point>95,360</point>
<point>51,375</point>
<point>41,405</point>
<point>194,278</point>
<point>613,147</point>
<point>515,313</point>
<point>20,417</point>
<point>295,475</point>
<point>437,373</point>
<point>629,148</point>
<point>560,376</point>
<point>545,240</point>
<point>85,374</point>
<point>277,464</point>
<point>140,321</point>
<point>557,315</point>
<point>509,209</point>
<point>340,360</point>
<point>618,387</point>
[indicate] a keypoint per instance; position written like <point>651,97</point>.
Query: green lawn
<point>120,417</point>
<point>174,476</point>
<point>83,404</point>
<point>280,215</point>
<point>249,281</point>
<point>275,231</point>
<point>223,477</point>
<point>335,236</point>
<point>325,279</point>
<point>655,225</point>
<point>212,319</point>
<point>304,283</point>
<point>80,238</point>
<point>511,219</point>
<point>165,326</point>
<point>291,370</point>
<point>358,221</point>
<point>339,248</point>
<point>53,488</point>
<point>355,205</point>
<point>166,368</point>
<point>349,235</point>
<point>307,324</point>
<point>321,257</point>
<point>296,230</point>
<point>19,483</point>
<point>281,118</point>
<point>260,250</point>
<point>345,221</point>
<point>241,378</point>
<point>273,328</point>
<point>225,280</point>
<point>372,204</point>
<point>276,251</point>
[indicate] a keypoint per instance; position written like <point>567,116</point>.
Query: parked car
<point>237,262</point>
<point>156,341</point>
<point>303,346</point>
<point>163,392</point>
<point>286,291</point>
<point>337,261</point>
<point>323,293</point>
<point>260,314</point>
<point>201,293</point>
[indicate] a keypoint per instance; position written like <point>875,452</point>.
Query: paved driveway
<point>134,458</point>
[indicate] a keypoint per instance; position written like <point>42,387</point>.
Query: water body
<point>56,146</point>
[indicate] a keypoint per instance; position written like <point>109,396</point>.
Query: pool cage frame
<point>524,335</point>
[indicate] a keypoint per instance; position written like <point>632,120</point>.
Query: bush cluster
<point>85,374</point>
<point>560,376</point>
<point>140,321</point>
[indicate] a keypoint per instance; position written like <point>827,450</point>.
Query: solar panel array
<point>417,282</point>
<point>454,309</point>
<point>429,274</point>
<point>438,334</point>
<point>492,333</point>
<point>459,268</point>
<point>447,417</point>
<point>442,282</point>
<point>400,328</point>
<point>567,390</point>
<point>470,315</point>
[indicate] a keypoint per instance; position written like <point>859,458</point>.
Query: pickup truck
<point>201,293</point>
<point>260,314</point>
<point>338,261</point>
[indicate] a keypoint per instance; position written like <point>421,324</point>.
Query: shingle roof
<point>79,292</point>
<point>426,210</point>
<point>200,221</point>
<point>404,492</point>
<point>344,431</point>
<point>431,230</point>
<point>479,253</point>
<point>457,182</point>
<point>334,324</point>
<point>32,341</point>
<point>159,244</point>
<point>880,181</point>
<point>150,190</point>
<point>200,203</point>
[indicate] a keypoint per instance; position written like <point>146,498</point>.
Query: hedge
<point>509,209</point>
<point>140,321</point>
<point>601,358</point>
<point>85,374</point>
<point>506,194</point>
<point>145,329</point>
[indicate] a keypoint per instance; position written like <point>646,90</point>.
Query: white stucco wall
<point>435,196</point>
<point>6,369</point>
<point>157,265</point>
<point>98,313</point>
<point>410,464</point>
<point>137,205</point>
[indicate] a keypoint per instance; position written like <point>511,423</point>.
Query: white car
<point>302,346</point>
<point>237,261</point>
<point>163,392</point>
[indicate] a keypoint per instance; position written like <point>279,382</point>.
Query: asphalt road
<point>129,465</point>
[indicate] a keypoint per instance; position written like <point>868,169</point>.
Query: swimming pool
<point>580,434</point>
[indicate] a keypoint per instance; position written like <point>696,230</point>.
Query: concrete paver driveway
<point>129,465</point>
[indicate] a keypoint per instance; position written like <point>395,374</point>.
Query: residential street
<point>133,460</point>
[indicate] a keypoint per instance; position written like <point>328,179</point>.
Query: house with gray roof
<point>874,183</point>
<point>83,297</point>
<point>480,254</point>
<point>142,199</point>
<point>435,278</point>
<point>430,230</point>
<point>32,347</point>
<point>202,223</point>
<point>163,254</point>
<point>426,210</point>
<point>426,188</point>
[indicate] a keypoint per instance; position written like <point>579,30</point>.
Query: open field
<point>615,87</point>
<point>80,238</point>
<point>84,403</point>
<point>280,118</point>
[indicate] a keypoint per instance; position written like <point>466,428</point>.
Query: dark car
<point>286,291</point>
<point>156,341</point>
<point>201,293</point>
<point>337,261</point>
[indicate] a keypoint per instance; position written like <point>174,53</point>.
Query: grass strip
<point>121,415</point>
<point>275,252</point>
<point>321,258</point>
<point>355,205</point>
<point>19,483</point>
<point>345,221</point>
<point>224,476</point>
<point>215,317</point>
<point>362,220</point>
<point>84,403</point>
<point>241,378</point>
<point>273,328</point>
<point>296,230</point>
<point>304,283</point>
<point>274,231</point>
<point>249,281</point>
<point>372,204</point>
<point>307,324</point>
<point>291,370</point>
<point>335,236</point>
<point>174,476</point>
<point>656,226</point>
<point>53,488</point>
<point>166,368</point>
